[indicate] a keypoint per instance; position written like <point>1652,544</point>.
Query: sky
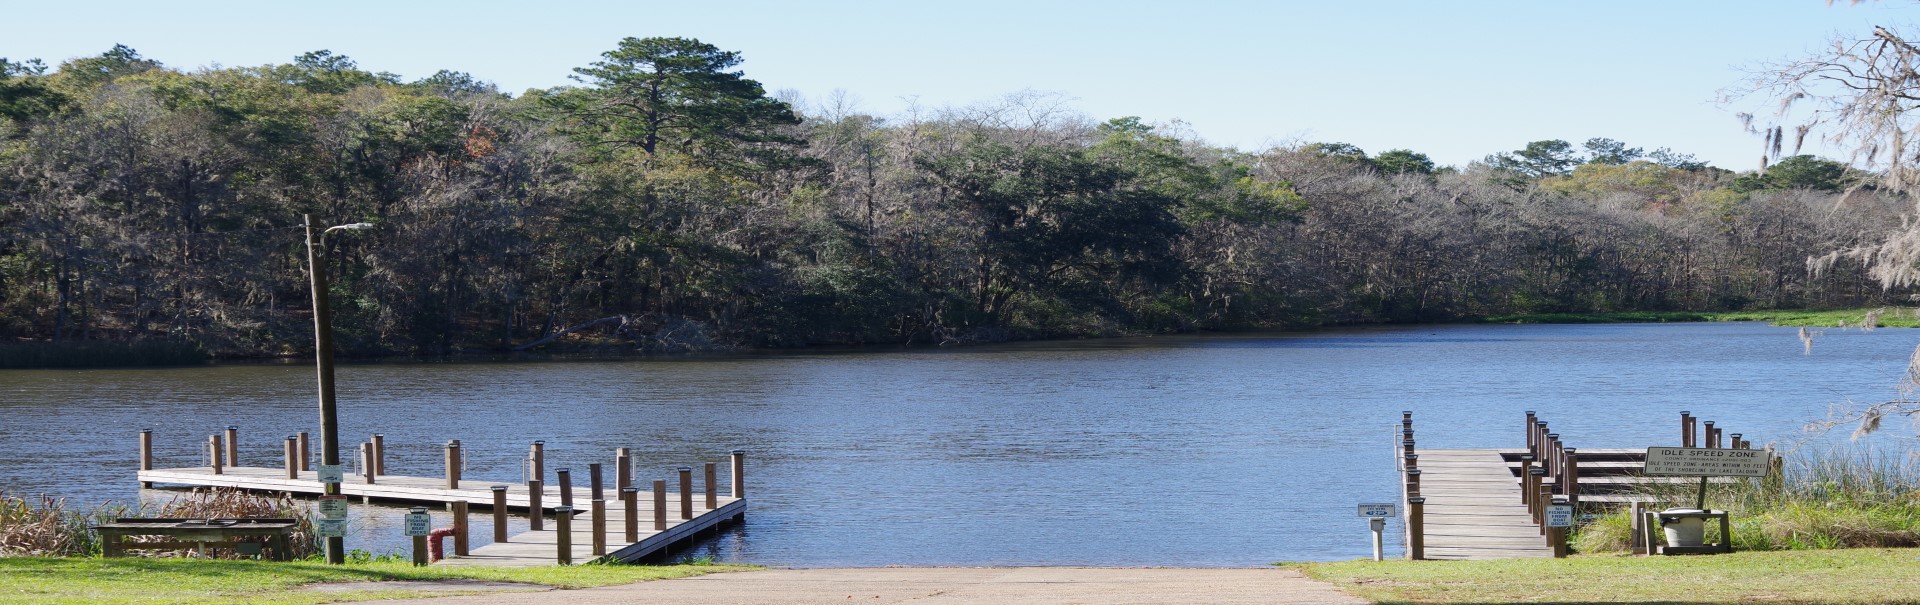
<point>1454,79</point>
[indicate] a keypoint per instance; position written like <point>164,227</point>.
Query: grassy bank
<point>1862,576</point>
<point>1889,317</point>
<point>94,581</point>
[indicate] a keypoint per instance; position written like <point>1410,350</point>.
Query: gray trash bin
<point>1684,526</point>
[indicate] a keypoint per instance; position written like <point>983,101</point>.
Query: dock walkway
<point>531,548</point>
<point>1473,508</point>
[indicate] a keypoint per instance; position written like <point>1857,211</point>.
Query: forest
<point>667,203</point>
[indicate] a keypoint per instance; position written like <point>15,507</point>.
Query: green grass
<point>76,581</point>
<point>1860,576</point>
<point>1889,317</point>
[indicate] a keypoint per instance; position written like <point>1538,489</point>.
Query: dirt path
<point>1036,585</point>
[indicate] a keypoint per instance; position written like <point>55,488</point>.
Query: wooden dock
<point>1473,508</point>
<point>660,518</point>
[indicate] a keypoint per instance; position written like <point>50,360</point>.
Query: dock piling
<point>453,464</point>
<point>563,533</point>
<point>659,505</point>
<point>630,497</point>
<point>1571,477</point>
<point>233,445</point>
<point>292,457</point>
<point>420,541</point>
<point>306,452</point>
<point>1686,429</point>
<point>146,454</point>
<point>686,492</point>
<point>368,460</point>
<point>535,515</point>
<point>1712,438</point>
<point>593,480</point>
<point>565,476</point>
<point>500,513</point>
<point>214,453</point>
<point>1416,528</point>
<point>599,527</point>
<point>1526,473</point>
<point>460,527</point>
<point>379,449</point>
<point>713,491</point>
<point>1531,418</point>
<point>739,458</point>
<point>536,461</point>
<point>622,469</point>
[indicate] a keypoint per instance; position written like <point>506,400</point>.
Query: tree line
<point>666,202</point>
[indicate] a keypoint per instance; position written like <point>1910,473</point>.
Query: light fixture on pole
<point>323,358</point>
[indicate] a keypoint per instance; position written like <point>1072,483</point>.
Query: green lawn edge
<point>1852,576</point>
<point>1890,317</point>
<point>142,581</point>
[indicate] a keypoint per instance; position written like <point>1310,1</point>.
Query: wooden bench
<point>197,534</point>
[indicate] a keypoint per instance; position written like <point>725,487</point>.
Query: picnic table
<point>198,534</point>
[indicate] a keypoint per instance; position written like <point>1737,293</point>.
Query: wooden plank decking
<point>1473,508</point>
<point>530,548</point>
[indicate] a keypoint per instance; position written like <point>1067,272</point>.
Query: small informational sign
<point>333,507</point>
<point>331,473</point>
<point>1377,511</point>
<point>1559,515</point>
<point>331,528</point>
<point>419,524</point>
<point>1705,462</point>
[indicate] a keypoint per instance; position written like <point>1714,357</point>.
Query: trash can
<point>1684,526</point>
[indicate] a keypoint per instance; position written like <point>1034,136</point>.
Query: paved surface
<point>1024,585</point>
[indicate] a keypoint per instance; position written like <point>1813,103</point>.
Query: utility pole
<point>323,357</point>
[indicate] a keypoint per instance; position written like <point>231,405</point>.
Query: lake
<point>1178,451</point>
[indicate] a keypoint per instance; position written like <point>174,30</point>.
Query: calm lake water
<point>1182,451</point>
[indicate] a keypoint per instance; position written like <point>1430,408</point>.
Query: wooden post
<point>306,452</point>
<point>367,461</point>
<point>453,464</point>
<point>1413,481</point>
<point>659,505</point>
<point>379,454</point>
<point>1540,442</point>
<point>292,457</point>
<point>146,454</point>
<point>1416,528</point>
<point>419,551</point>
<point>1531,418</point>
<point>686,492</point>
<point>460,528</point>
<point>739,473</point>
<point>536,517</point>
<point>1541,491</point>
<point>1409,461</point>
<point>1526,472</point>
<point>599,527</point>
<point>1712,438</point>
<point>1734,441</point>
<point>214,454</point>
<point>500,513</point>
<point>1557,536</point>
<point>713,490</point>
<point>1686,429</point>
<point>1571,487</point>
<point>593,480</point>
<point>233,445</point>
<point>630,497</point>
<point>1776,478</point>
<point>536,461</point>
<point>565,475</point>
<point>563,533</point>
<point>622,469</point>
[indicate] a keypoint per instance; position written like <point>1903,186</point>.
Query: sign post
<point>1704,462</point>
<point>419,525</point>
<point>1376,515</point>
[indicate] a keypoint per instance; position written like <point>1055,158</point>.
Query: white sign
<point>333,507</point>
<point>332,528</point>
<point>419,524</point>
<point>1705,462</point>
<point>331,473</point>
<point>1559,515</point>
<point>1377,511</point>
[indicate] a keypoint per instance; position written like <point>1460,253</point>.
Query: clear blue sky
<point>1454,79</point>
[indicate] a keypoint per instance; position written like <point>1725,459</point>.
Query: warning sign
<point>1705,462</point>
<point>419,524</point>
<point>1560,515</point>
<point>331,528</point>
<point>333,507</point>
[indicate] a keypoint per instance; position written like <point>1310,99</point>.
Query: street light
<point>323,357</point>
